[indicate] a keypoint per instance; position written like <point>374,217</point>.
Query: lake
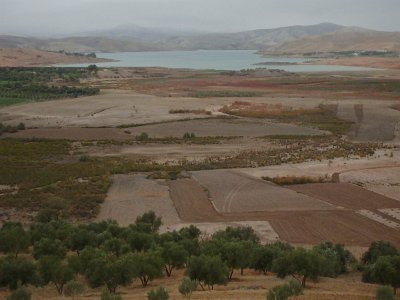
<point>212,59</point>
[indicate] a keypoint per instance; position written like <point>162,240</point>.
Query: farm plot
<point>373,121</point>
<point>223,127</point>
<point>132,195</point>
<point>232,191</point>
<point>191,201</point>
<point>337,226</point>
<point>346,195</point>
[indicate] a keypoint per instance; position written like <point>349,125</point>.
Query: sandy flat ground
<point>132,195</point>
<point>110,108</point>
<point>222,127</point>
<point>373,120</point>
<point>232,191</point>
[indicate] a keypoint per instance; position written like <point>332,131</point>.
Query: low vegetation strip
<point>323,117</point>
<point>291,180</point>
<point>18,85</point>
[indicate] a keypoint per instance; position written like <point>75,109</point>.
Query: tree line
<point>54,251</point>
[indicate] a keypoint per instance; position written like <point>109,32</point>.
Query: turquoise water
<point>210,59</point>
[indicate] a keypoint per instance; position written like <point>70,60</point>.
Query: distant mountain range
<point>293,39</point>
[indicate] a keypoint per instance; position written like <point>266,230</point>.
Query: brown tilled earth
<point>30,57</point>
<point>346,195</point>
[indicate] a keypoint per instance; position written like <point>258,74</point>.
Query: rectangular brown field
<point>337,226</point>
<point>235,192</point>
<point>191,201</point>
<point>346,195</point>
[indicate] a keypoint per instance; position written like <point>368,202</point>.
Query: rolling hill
<point>124,40</point>
<point>347,39</point>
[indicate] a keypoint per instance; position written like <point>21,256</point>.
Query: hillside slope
<point>30,57</point>
<point>353,39</point>
<point>136,41</point>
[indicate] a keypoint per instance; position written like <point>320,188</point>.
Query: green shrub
<point>20,294</point>
<point>188,136</point>
<point>142,137</point>
<point>187,287</point>
<point>73,289</point>
<point>158,294</point>
<point>284,291</point>
<point>106,295</point>
<point>384,293</point>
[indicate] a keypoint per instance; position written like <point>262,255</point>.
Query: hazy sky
<point>30,17</point>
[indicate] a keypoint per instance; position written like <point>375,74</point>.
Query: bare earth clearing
<point>224,127</point>
<point>110,108</point>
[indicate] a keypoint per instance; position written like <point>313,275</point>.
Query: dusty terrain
<point>30,57</point>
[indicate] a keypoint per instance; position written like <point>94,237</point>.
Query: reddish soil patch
<point>191,201</point>
<point>346,195</point>
<point>337,226</point>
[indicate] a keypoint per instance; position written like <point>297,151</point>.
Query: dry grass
<point>190,111</point>
<point>261,110</point>
<point>291,180</point>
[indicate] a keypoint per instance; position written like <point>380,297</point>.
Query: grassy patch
<point>6,101</point>
<point>19,85</point>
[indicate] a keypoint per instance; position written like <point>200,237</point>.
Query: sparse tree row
<point>70,257</point>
